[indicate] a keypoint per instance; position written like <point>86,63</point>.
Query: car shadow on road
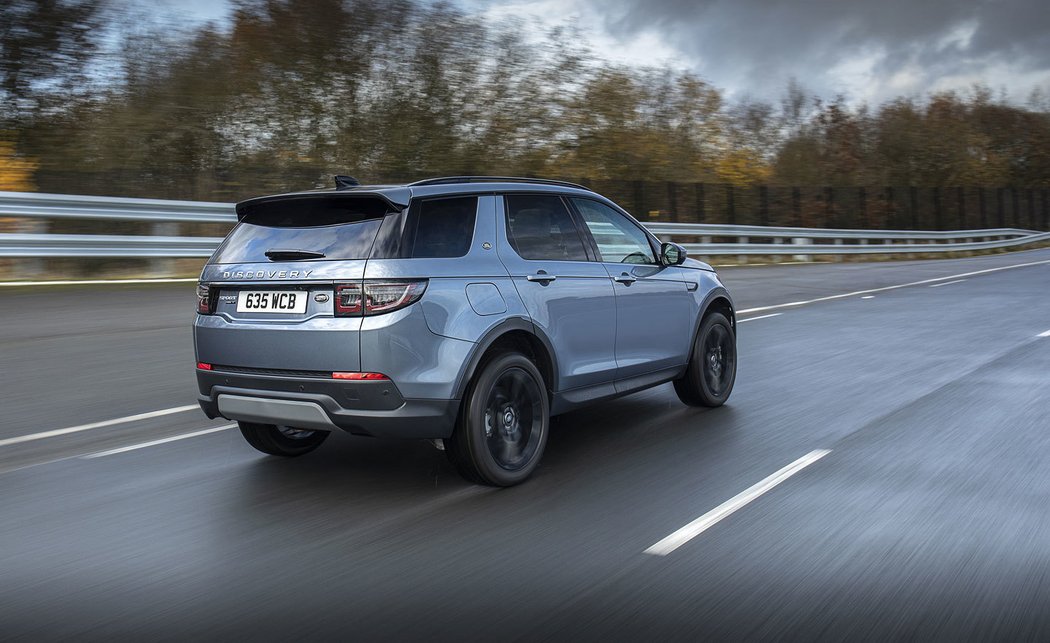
<point>361,492</point>
<point>609,442</point>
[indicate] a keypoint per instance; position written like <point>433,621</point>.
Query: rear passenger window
<point>441,228</point>
<point>540,227</point>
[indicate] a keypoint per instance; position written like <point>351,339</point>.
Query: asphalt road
<point>927,518</point>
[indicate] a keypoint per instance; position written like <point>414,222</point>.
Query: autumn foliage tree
<point>16,173</point>
<point>284,93</point>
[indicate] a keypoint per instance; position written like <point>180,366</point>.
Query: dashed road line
<point>947,283</point>
<point>793,304</point>
<point>759,317</point>
<point>151,443</point>
<point>727,508</point>
<point>97,425</point>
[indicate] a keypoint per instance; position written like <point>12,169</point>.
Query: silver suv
<point>465,310</point>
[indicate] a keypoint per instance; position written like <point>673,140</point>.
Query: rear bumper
<point>373,408</point>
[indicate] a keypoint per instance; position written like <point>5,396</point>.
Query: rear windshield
<point>335,227</point>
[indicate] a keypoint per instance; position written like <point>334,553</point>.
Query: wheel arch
<point>718,300</point>
<point>512,333</point>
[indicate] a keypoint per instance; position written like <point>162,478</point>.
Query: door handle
<point>542,277</point>
<point>625,279</point>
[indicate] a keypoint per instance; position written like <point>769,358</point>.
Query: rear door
<point>569,297</point>
<point>273,285</point>
<point>654,310</point>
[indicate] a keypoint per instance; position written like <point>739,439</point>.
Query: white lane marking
<point>143,445</point>
<point>947,283</point>
<point>885,288</point>
<point>91,282</point>
<point>727,508</point>
<point>1045,333</point>
<point>759,317</point>
<point>868,297</point>
<point>97,425</point>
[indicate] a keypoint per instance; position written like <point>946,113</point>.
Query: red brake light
<point>359,376</point>
<point>203,366</point>
<point>376,297</point>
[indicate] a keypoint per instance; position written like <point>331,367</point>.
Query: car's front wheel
<point>503,424</point>
<point>711,372</point>
<point>281,440</point>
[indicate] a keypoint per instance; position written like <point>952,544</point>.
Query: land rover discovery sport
<point>465,310</point>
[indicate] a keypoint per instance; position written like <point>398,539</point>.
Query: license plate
<point>278,301</point>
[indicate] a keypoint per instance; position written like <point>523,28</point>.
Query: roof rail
<point>444,180</point>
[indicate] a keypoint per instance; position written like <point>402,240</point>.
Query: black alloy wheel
<point>711,372</point>
<point>503,424</point>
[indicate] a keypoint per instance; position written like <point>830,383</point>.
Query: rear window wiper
<point>285,254</point>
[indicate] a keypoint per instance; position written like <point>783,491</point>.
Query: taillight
<point>348,299</point>
<point>383,297</point>
<point>204,366</point>
<point>206,299</point>
<point>376,297</point>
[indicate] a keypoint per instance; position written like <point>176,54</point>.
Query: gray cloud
<point>870,50</point>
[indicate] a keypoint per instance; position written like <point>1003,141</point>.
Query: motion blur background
<point>920,117</point>
<point>125,513</point>
<point>217,101</point>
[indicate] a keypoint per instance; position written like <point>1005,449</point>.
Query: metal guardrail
<point>71,206</point>
<point>37,209</point>
<point>104,245</point>
<point>718,230</point>
<point>773,249</point>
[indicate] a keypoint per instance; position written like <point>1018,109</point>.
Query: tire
<point>711,372</point>
<point>283,441</point>
<point>503,424</point>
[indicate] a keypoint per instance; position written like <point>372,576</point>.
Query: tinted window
<point>619,239</point>
<point>540,227</point>
<point>338,227</point>
<point>441,227</point>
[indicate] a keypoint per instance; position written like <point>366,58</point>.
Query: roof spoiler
<point>396,199</point>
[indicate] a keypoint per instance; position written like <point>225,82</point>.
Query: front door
<point>654,310</point>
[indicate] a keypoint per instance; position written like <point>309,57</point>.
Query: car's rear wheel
<point>503,424</point>
<point>711,372</point>
<point>281,440</point>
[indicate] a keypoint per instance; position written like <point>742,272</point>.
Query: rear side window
<point>540,227</point>
<point>335,227</point>
<point>441,228</point>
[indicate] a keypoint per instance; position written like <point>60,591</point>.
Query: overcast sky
<point>868,50</point>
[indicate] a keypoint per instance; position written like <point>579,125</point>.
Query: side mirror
<point>672,254</point>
